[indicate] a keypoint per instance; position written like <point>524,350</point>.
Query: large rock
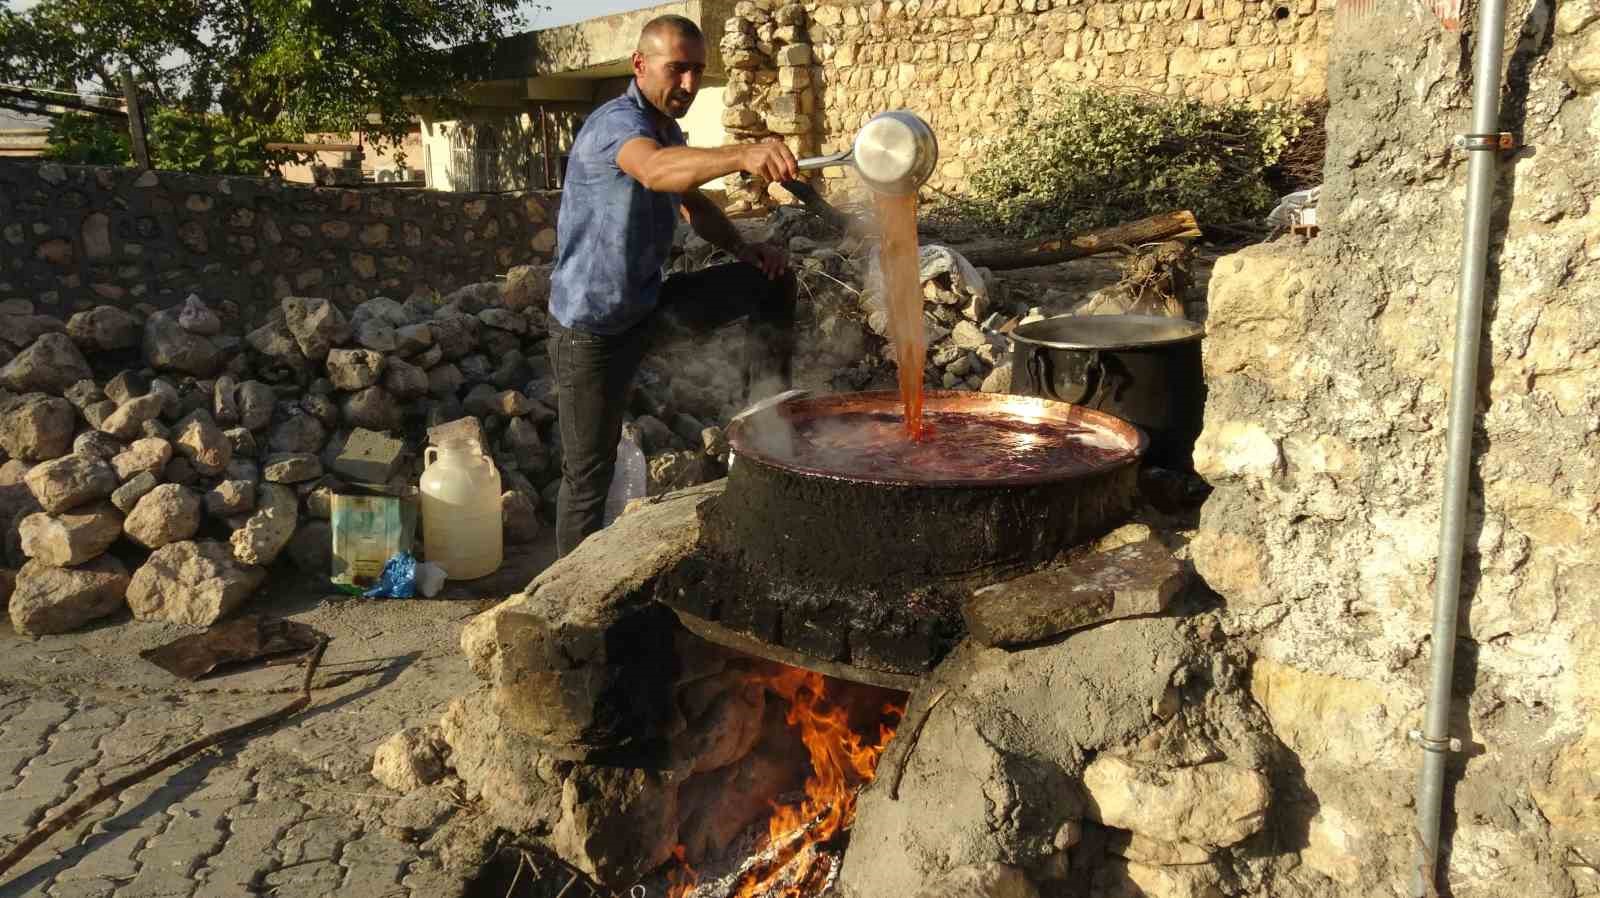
<point>373,408</point>
<point>149,454</point>
<point>311,549</point>
<point>291,467</point>
<point>1131,580</point>
<point>1210,805</point>
<point>269,528</point>
<point>166,514</point>
<point>72,480</point>
<point>127,422</point>
<point>64,540</point>
<point>195,583</point>
<point>57,600</point>
<point>104,328</point>
<point>410,759</point>
<point>576,658</point>
<point>316,324</point>
<point>617,823</point>
<point>203,443</point>
<point>168,347</point>
<point>354,369</point>
<point>256,401</point>
<point>51,365</point>
<point>36,427</point>
<point>525,286</point>
<point>298,433</point>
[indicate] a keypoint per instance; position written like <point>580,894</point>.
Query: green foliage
<point>1092,158</point>
<point>83,139</point>
<point>178,141</point>
<point>289,67</point>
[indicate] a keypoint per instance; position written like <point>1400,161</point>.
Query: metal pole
<point>130,94</point>
<point>1481,172</point>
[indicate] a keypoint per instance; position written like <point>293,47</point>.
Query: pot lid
<point>1108,332</point>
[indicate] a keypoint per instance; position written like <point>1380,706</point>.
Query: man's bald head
<point>669,63</point>
<point>659,32</point>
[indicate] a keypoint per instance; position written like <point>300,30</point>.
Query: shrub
<point>178,141</point>
<point>1092,158</point>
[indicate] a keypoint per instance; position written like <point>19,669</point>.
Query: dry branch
<point>1167,226</point>
<point>911,744</point>
<point>65,818</point>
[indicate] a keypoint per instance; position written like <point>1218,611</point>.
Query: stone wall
<point>1328,366</point>
<point>813,72</point>
<point>72,237</point>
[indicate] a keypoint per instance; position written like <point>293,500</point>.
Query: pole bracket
<point>1439,746</point>
<point>1502,141</point>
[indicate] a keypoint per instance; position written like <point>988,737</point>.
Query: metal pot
<point>1144,369</point>
<point>894,153</point>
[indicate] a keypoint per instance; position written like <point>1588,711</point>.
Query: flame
<point>842,761</point>
<point>681,882</point>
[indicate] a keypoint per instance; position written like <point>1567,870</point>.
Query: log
<point>1167,226</point>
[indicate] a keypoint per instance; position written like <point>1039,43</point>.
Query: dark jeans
<point>594,373</point>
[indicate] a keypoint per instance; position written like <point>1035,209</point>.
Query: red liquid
<point>952,446</point>
<point>897,216</point>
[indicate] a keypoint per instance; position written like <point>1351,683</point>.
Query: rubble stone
<point>197,318</point>
<point>1131,580</point>
<point>62,484</point>
<point>1210,805</point>
<point>256,400</point>
<point>149,454</point>
<point>50,365</point>
<point>373,408</point>
<point>36,427</point>
<point>127,422</point>
<point>167,514</point>
<point>105,328</point>
<point>410,759</point>
<point>97,444</point>
<point>168,347</point>
<point>298,433</point>
<point>525,286</point>
<point>404,380</point>
<point>50,599</point>
<point>291,467</point>
<point>72,538</point>
<point>231,497</point>
<point>354,369</point>
<point>520,517</point>
<point>316,325</point>
<point>127,496</point>
<point>269,528</point>
<point>311,549</point>
<point>192,582</point>
<point>201,442</point>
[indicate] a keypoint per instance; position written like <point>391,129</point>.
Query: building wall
<point>72,237</point>
<point>813,72</point>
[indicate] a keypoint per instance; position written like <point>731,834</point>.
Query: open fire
<point>800,856</point>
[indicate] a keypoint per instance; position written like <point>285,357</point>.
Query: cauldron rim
<point>1180,330</point>
<point>1063,412</point>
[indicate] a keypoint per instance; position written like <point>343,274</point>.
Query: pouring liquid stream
<point>897,217</point>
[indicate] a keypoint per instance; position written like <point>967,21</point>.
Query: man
<point>629,178</point>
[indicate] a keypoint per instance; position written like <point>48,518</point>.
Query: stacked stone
<point>965,65</point>
<point>168,475</point>
<point>772,83</point>
<point>966,351</point>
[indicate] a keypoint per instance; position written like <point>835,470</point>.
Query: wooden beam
<point>130,96</point>
<point>1167,226</point>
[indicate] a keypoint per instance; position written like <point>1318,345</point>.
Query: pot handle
<point>1042,371</point>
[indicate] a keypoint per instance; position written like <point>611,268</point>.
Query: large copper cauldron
<point>841,539</point>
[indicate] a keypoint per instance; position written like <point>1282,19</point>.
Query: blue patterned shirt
<point>613,234</point>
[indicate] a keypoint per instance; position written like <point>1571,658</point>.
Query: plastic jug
<point>461,522</point>
<point>632,474</point>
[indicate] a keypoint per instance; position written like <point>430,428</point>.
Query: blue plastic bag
<point>398,580</point>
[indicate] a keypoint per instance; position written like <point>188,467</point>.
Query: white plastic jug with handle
<point>461,522</point>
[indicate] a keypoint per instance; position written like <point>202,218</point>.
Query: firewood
<point>1167,226</point>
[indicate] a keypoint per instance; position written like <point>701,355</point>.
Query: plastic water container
<point>631,477</point>
<point>461,523</point>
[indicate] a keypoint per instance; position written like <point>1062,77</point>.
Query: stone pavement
<point>292,812</point>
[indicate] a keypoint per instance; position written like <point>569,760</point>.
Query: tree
<point>297,65</point>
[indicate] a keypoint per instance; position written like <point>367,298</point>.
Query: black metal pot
<point>1144,369</point>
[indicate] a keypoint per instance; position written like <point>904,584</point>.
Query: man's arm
<point>681,169</point>
<point>709,222</point>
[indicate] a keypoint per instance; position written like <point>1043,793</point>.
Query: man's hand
<point>772,261</point>
<point>769,159</point>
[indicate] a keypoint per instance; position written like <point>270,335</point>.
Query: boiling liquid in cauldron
<point>897,257</point>
<point>953,446</point>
